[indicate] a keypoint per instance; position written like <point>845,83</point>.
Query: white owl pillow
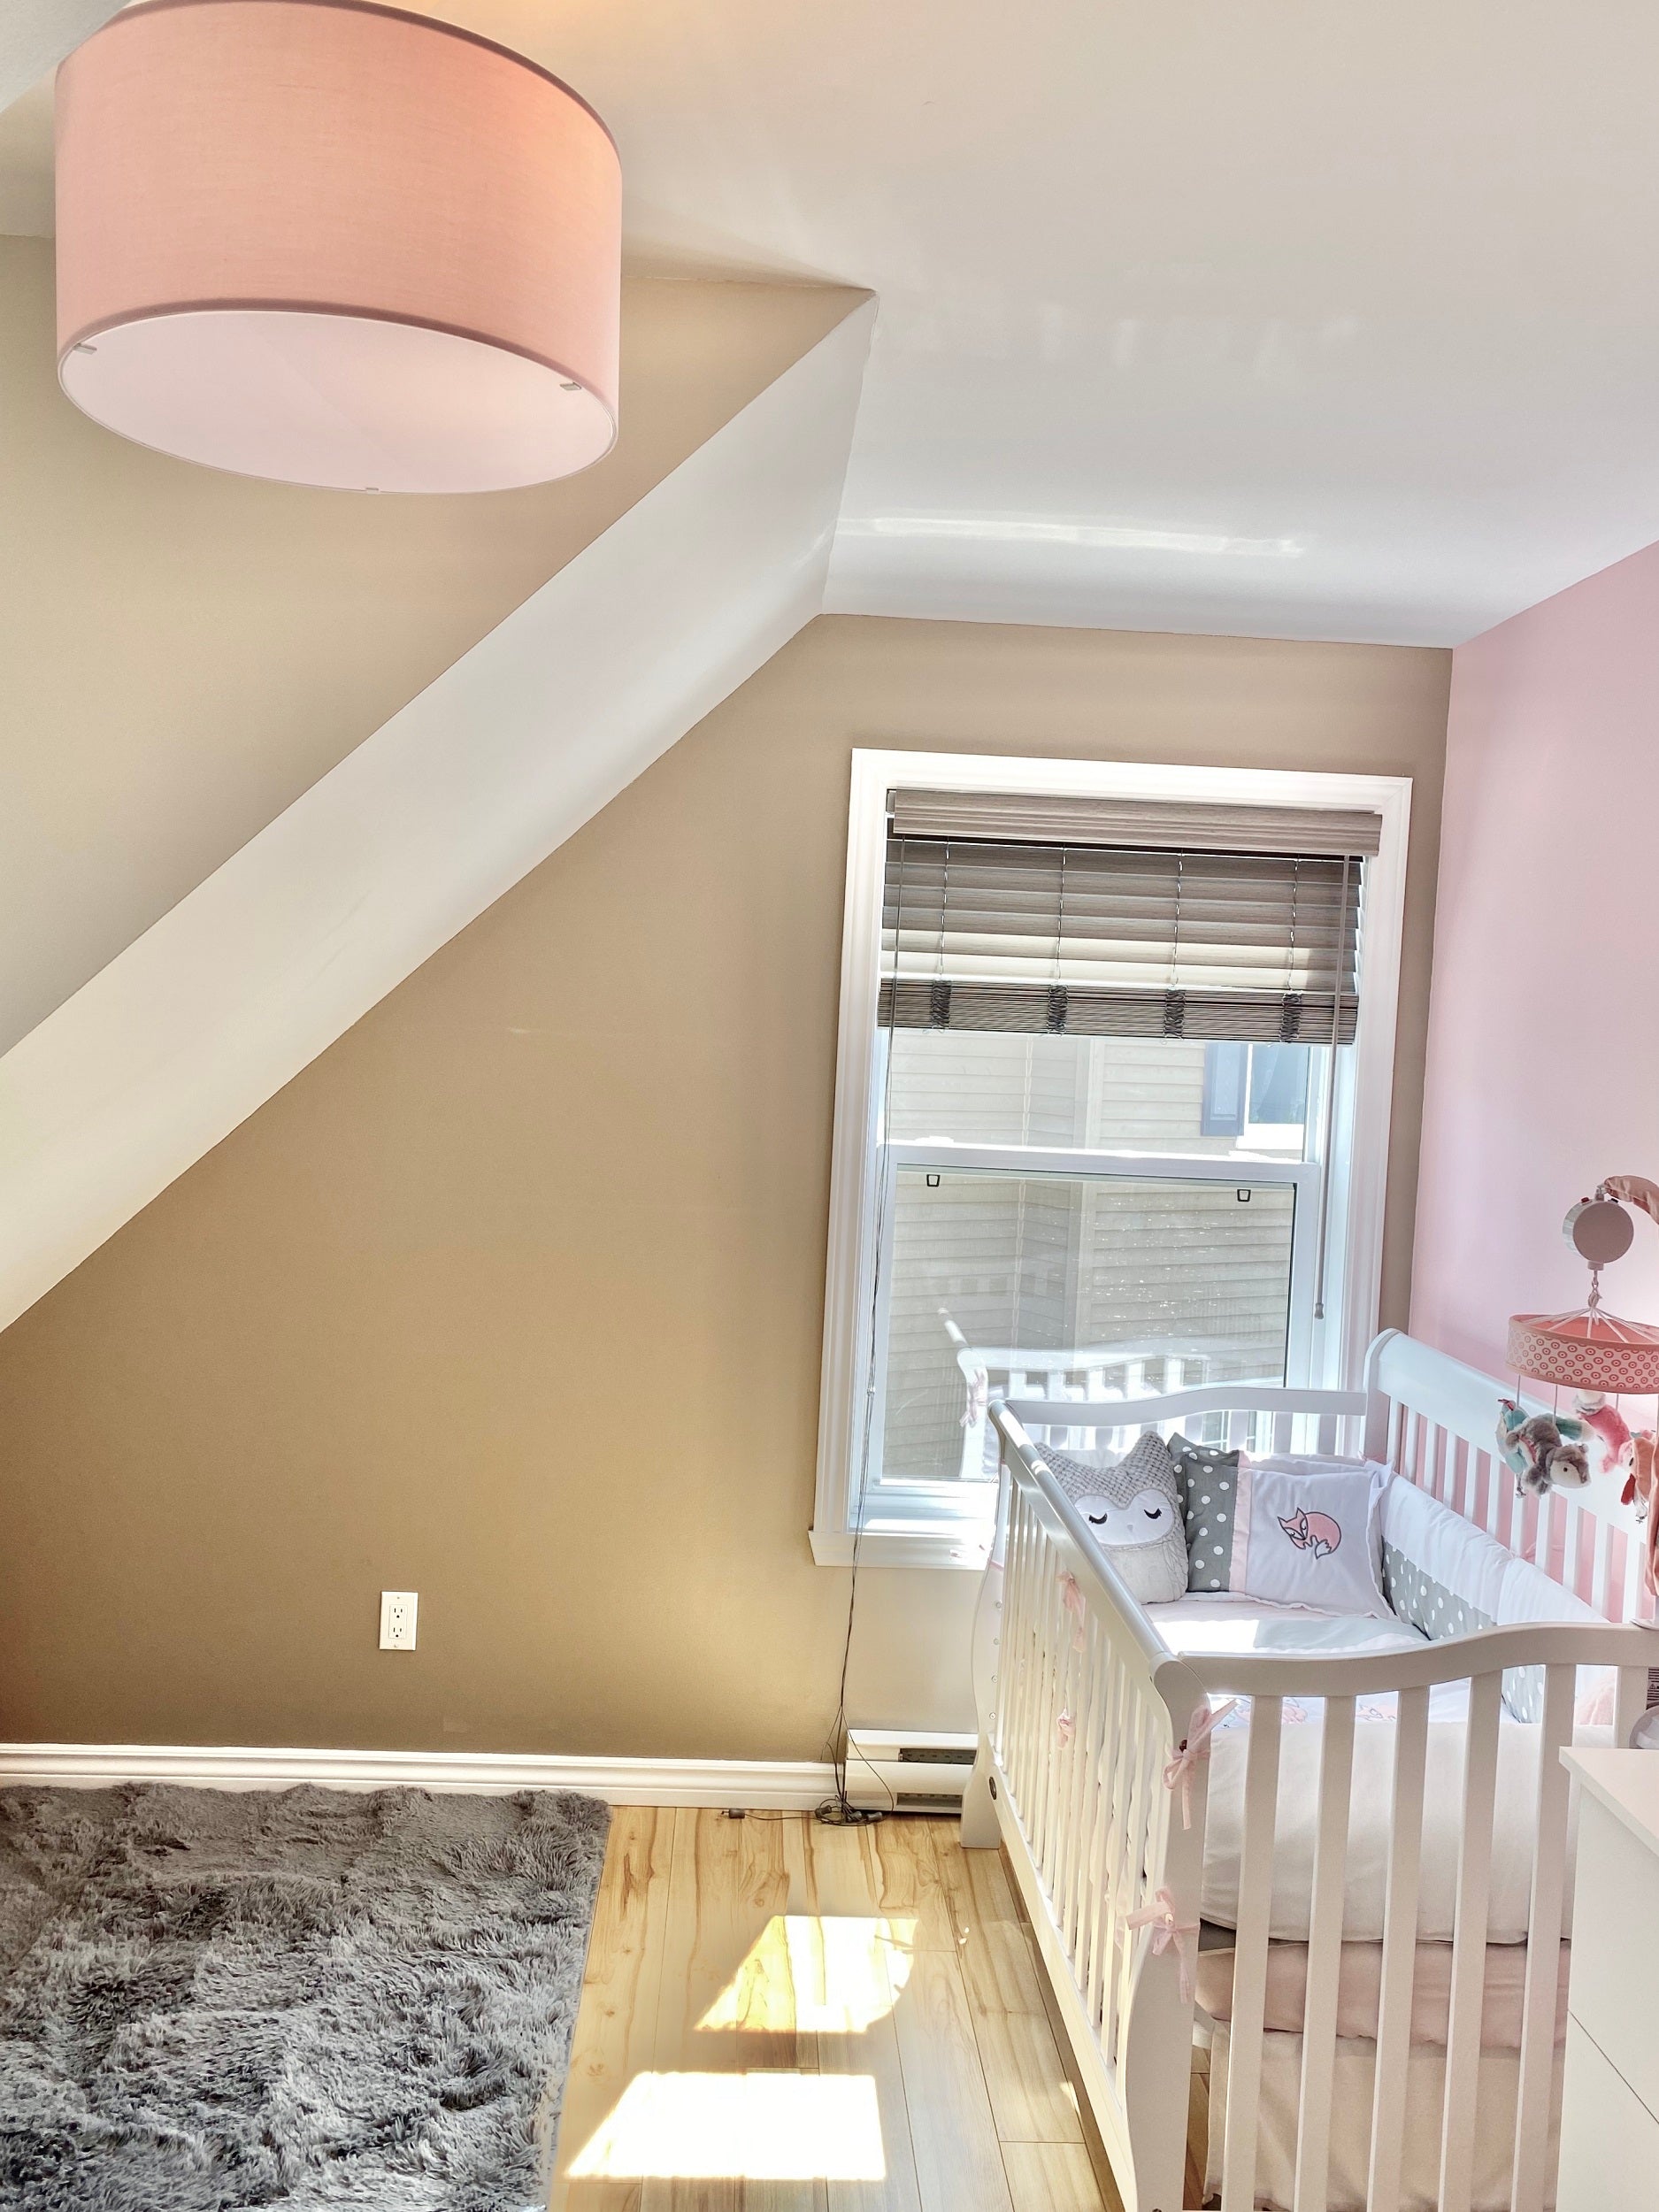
<point>1132,1508</point>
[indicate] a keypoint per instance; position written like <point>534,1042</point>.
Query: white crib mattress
<point>1208,1625</point>
<point>1200,1624</point>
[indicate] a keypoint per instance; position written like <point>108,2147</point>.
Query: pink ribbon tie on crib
<point>1194,1747</point>
<point>1166,1929</point>
<point>1072,1598</point>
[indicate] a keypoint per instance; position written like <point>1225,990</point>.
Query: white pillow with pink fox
<point>1303,1532</point>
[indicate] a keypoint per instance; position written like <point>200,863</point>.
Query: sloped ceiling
<point>185,652</point>
<point>1284,318</point>
<point>425,824</point>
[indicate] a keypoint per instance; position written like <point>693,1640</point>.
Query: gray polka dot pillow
<point>1208,1477</point>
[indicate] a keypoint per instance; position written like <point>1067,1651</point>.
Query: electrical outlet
<point>397,1619</point>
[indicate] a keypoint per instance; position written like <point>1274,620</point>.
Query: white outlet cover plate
<point>398,1610</point>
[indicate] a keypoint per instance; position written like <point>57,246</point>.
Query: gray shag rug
<point>213,2000</point>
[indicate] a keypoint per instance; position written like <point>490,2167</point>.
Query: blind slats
<point>1151,824</point>
<point>1100,940</point>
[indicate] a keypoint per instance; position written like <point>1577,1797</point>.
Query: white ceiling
<point>1272,316</point>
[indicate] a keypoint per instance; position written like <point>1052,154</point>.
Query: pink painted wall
<point>1543,1063</point>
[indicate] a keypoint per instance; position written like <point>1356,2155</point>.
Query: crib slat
<point>1621,1595</point>
<point>1015,1669</point>
<point>1080,1817</point>
<point>1094,1881</point>
<point>1400,1935</point>
<point>1481,1512</point>
<point>1325,1957</point>
<point>1031,1669</point>
<point>1010,1672</point>
<point>1133,1889</point>
<point>1462,1476</point>
<point>1586,1529</point>
<point>1325,1436</point>
<point>1434,1474</point>
<point>1543,1946</point>
<point>1469,1943</point>
<point>1250,1963</point>
<point>1063,1759</point>
<point>1084,1764</point>
<point>1281,1431</point>
<point>1117,1860</point>
<point>1056,1647</point>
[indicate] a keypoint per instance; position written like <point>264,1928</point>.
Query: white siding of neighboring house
<point>1048,1264</point>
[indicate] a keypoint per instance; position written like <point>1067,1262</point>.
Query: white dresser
<point>1610,2120</point>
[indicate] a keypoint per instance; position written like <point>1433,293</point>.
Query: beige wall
<point>480,1306</point>
<point>182,652</point>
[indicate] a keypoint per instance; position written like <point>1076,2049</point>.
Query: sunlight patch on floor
<point>752,2127</point>
<point>818,1974</point>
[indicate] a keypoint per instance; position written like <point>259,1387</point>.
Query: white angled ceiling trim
<point>426,825</point>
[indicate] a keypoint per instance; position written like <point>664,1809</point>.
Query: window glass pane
<point>1110,1093</point>
<point>1279,1084</point>
<point>1227,1067</point>
<point>1123,1286</point>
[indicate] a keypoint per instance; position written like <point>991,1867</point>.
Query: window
<point>1112,1107</point>
<point>1259,1088</point>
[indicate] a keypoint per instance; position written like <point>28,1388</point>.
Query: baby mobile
<point>1602,1358</point>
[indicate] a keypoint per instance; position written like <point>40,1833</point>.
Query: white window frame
<point>1335,1348</point>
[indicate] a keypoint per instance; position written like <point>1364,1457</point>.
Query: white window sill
<point>964,1545</point>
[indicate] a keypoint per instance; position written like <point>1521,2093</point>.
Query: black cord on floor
<point>838,1809</point>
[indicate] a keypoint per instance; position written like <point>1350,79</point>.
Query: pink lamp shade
<point>335,243</point>
<point>1586,1350</point>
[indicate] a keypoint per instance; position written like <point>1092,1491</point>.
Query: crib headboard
<point>1428,1416</point>
<point>1434,1420</point>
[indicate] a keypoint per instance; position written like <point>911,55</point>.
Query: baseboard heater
<point>908,1771</point>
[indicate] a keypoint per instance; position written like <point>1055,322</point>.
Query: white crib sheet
<point>1199,1624</point>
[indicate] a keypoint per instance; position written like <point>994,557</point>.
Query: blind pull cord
<point>1174,997</point>
<point>939,993</point>
<point>1057,989</point>
<point>1290,1013</point>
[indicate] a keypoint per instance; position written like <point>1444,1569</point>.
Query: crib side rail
<point>1261,1418</point>
<point>1496,1782</point>
<point>1088,1709</point>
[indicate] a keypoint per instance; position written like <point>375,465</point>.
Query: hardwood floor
<point>784,2017</point>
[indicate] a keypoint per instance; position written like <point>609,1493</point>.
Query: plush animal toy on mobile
<point>1608,1438</point>
<point>1543,1451</point>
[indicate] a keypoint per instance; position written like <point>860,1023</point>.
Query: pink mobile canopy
<point>335,243</point>
<point>1586,1350</point>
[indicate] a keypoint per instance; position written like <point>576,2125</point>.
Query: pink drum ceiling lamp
<point>335,243</point>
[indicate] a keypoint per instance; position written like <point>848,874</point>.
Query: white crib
<point>1083,1707</point>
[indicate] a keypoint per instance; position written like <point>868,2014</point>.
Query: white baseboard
<point>752,1784</point>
